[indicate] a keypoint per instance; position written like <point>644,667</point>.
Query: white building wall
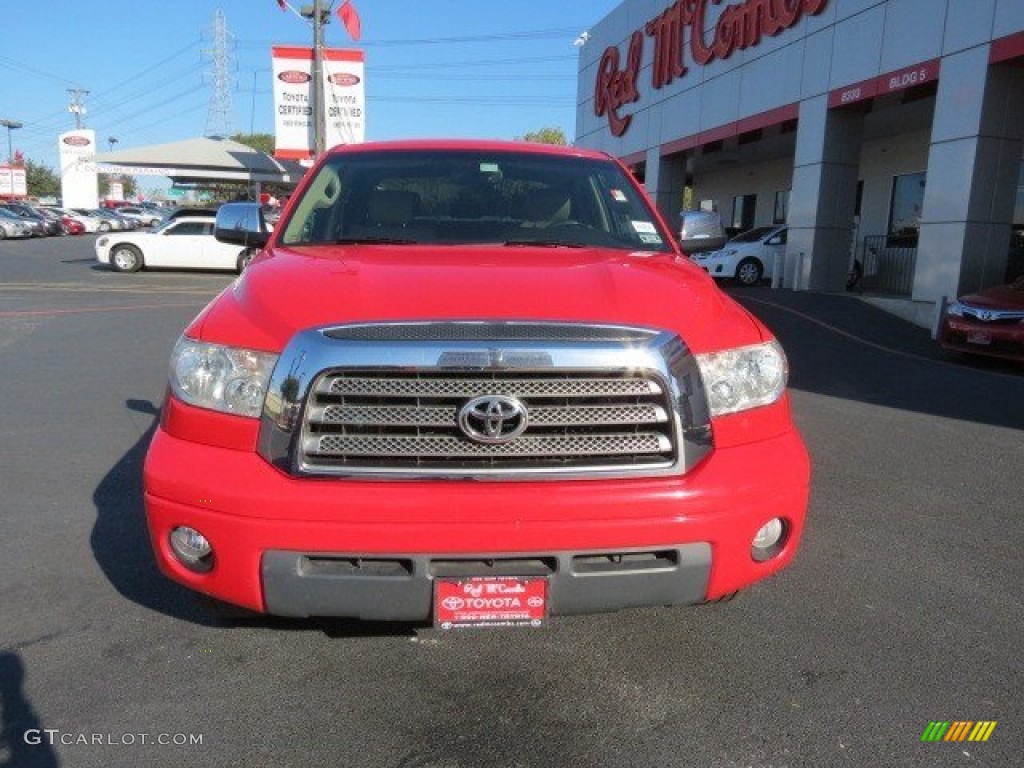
<point>764,180</point>
<point>880,161</point>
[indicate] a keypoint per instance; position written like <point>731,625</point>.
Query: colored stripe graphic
<point>982,730</point>
<point>958,730</point>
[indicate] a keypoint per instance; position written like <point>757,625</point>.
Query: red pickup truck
<point>474,383</point>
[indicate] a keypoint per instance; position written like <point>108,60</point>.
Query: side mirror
<point>241,224</point>
<point>701,231</point>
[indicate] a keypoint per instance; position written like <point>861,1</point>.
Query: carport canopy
<point>200,160</point>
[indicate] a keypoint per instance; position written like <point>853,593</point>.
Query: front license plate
<point>978,337</point>
<point>490,601</point>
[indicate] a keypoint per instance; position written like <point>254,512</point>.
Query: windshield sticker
<point>644,227</point>
<point>618,195</point>
<point>649,238</point>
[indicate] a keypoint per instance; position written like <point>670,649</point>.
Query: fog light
<point>768,540</point>
<point>192,549</point>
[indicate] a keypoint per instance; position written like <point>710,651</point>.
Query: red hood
<point>1009,297</point>
<point>291,289</point>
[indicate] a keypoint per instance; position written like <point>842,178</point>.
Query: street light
<point>10,125</point>
<point>111,142</point>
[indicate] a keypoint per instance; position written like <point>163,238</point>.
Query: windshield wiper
<point>544,243</point>
<point>374,241</point>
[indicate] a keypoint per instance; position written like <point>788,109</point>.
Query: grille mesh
<point>575,445</point>
<point>452,387</point>
<point>368,420</point>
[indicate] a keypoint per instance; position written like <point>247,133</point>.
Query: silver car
<point>12,225</point>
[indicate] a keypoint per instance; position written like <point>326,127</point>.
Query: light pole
<point>10,125</point>
<point>111,141</point>
<point>319,16</point>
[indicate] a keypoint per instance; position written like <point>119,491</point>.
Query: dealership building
<point>883,133</point>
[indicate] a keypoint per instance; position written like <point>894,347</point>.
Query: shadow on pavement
<point>23,741</point>
<point>843,347</point>
<point>121,546</point>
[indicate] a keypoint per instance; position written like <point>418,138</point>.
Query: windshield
<point>455,197</point>
<point>753,235</point>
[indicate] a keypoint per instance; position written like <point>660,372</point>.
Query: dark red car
<point>72,226</point>
<point>990,322</point>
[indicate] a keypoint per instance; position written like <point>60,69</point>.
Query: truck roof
<point>470,144</point>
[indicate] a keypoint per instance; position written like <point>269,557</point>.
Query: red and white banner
<point>13,182</point>
<point>344,100</point>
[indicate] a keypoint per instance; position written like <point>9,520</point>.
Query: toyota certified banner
<point>13,181</point>
<point>79,184</point>
<point>344,99</point>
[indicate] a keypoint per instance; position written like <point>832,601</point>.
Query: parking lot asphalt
<point>904,605</point>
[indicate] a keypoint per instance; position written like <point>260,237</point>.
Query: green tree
<point>41,180</point>
<point>546,136</point>
<point>261,142</point>
<point>127,182</point>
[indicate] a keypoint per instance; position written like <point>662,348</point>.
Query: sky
<point>434,68</point>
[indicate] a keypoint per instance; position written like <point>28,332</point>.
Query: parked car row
<point>23,219</point>
<point>39,223</point>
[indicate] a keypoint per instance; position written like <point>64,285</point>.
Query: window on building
<point>743,207</point>
<point>1018,210</point>
<point>905,209</point>
<point>1015,261</point>
<point>781,207</point>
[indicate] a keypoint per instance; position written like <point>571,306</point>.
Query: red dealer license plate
<point>490,601</point>
<point>979,337</point>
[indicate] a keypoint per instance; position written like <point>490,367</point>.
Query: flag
<point>350,18</point>
<point>283,4</point>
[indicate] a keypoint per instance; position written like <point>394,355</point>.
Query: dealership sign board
<point>680,26</point>
<point>901,79</point>
<point>344,100</point>
<point>79,184</point>
<point>13,182</point>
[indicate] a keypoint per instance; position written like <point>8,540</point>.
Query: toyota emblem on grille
<point>493,419</point>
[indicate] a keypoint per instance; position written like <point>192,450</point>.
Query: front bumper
<point>977,338</point>
<point>267,528</point>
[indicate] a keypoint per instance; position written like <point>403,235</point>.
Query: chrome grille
<point>454,447</point>
<point>362,419</point>
<point>445,387</point>
<point>400,401</point>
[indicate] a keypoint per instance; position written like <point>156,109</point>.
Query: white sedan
<point>749,257</point>
<point>183,243</point>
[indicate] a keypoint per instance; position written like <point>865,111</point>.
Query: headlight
<point>955,308</point>
<point>225,379</point>
<point>743,378</point>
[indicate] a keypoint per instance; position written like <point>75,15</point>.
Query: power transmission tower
<point>77,107</point>
<point>220,112</point>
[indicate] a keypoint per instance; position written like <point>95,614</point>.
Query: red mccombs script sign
<point>740,26</point>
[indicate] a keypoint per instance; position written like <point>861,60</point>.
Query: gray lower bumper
<point>400,587</point>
